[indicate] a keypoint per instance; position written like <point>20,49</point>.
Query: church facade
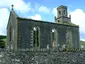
<point>25,33</point>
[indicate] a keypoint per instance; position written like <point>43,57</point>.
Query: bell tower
<point>62,11</point>
<point>62,15</point>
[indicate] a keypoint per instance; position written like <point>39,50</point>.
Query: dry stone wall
<point>46,57</point>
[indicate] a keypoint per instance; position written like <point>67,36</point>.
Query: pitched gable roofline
<point>41,21</point>
<point>13,12</point>
<point>12,15</point>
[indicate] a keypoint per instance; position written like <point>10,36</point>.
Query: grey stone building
<point>25,33</point>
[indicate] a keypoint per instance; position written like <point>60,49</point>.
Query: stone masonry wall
<point>25,36</point>
<point>46,57</point>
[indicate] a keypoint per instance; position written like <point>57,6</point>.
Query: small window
<point>58,20</point>
<point>59,12</point>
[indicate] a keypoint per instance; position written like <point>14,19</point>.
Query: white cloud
<point>36,17</point>
<point>44,9</point>
<point>22,6</point>
<point>78,17</point>
<point>83,39</point>
<point>4,14</point>
<point>6,3</point>
<point>19,5</point>
<point>54,11</point>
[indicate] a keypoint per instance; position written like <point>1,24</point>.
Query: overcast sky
<point>43,10</point>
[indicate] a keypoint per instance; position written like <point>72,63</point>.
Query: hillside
<point>82,43</point>
<point>2,41</point>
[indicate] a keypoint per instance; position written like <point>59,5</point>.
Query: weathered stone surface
<point>46,57</point>
<point>25,29</point>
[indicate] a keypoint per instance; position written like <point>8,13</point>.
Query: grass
<point>2,41</point>
<point>82,43</point>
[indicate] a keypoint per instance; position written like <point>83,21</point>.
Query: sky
<point>43,10</point>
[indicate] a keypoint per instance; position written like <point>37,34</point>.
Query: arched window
<point>54,38</point>
<point>59,12</point>
<point>36,37</point>
<point>69,39</point>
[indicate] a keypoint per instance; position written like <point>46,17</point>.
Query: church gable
<point>12,29</point>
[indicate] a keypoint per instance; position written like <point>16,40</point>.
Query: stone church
<point>26,33</point>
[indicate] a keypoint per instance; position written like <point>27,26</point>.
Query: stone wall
<point>46,57</point>
<point>25,33</point>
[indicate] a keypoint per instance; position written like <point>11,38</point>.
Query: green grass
<point>2,37</point>
<point>82,43</point>
<point>2,41</point>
